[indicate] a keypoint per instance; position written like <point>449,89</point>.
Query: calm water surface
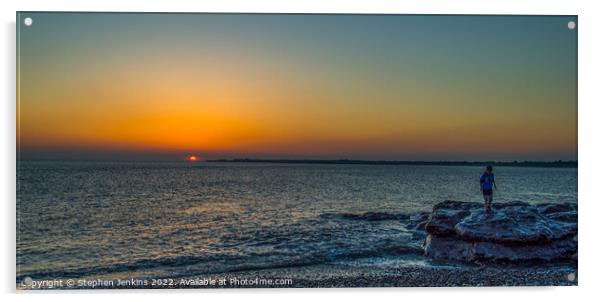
<point>150,220</point>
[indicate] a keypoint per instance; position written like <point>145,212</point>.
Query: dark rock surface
<point>375,216</point>
<point>513,232</point>
<point>369,216</point>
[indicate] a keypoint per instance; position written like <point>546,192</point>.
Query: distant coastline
<point>544,164</point>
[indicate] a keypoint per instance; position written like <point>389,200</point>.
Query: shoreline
<point>451,275</point>
<point>349,276</point>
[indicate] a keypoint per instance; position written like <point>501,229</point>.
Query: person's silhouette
<point>487,183</point>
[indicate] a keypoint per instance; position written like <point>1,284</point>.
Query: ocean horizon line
<point>515,163</point>
<point>343,161</point>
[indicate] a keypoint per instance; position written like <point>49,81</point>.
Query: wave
<point>369,216</point>
<point>216,264</point>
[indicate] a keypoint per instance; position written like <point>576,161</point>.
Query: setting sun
<point>192,158</point>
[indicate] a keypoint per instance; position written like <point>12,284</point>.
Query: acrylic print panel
<point>166,150</point>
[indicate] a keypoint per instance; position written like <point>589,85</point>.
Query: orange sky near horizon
<point>282,98</point>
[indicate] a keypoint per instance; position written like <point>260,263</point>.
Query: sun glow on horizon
<point>192,158</point>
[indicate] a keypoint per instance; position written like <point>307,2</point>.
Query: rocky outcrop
<point>513,232</point>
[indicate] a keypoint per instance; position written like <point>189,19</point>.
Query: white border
<point>326,6</point>
<point>589,142</point>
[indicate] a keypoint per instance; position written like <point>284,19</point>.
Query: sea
<point>124,220</point>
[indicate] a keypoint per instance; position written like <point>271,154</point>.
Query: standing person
<point>487,184</point>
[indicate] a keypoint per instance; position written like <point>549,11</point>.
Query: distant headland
<point>545,164</point>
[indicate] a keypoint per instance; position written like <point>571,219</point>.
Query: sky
<point>386,87</point>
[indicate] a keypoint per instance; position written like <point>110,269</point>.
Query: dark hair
<point>489,168</point>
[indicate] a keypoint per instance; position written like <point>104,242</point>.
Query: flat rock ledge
<point>513,232</point>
